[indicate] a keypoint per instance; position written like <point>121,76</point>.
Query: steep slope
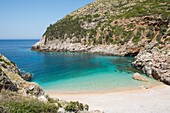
<point>126,26</point>
<point>112,27</point>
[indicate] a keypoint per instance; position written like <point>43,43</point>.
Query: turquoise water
<point>71,72</point>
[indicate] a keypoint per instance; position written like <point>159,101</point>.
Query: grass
<point>15,103</point>
<point>12,102</point>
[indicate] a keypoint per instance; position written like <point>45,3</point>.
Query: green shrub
<point>116,22</point>
<point>86,106</point>
<point>136,39</point>
<point>112,17</point>
<point>165,15</point>
<point>96,15</point>
<point>100,40</point>
<point>131,25</point>
<point>27,106</point>
<point>89,20</point>
<point>167,39</point>
<point>71,106</point>
<point>51,100</point>
<point>150,35</point>
<point>74,107</point>
<point>0,69</point>
<point>109,21</point>
<point>105,13</point>
<point>95,41</point>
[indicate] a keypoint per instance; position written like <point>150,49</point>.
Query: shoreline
<point>141,88</point>
<point>154,99</point>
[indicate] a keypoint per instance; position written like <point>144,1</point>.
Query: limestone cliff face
<point>112,27</point>
<point>10,79</point>
<point>154,62</point>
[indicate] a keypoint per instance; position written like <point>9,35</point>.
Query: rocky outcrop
<point>27,76</point>
<point>154,62</point>
<point>139,77</point>
<point>115,50</point>
<point>11,78</point>
<point>6,83</point>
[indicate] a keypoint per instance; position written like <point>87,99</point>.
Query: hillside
<point>119,28</point>
<point>113,22</point>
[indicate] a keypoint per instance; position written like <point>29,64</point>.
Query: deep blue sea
<point>71,72</point>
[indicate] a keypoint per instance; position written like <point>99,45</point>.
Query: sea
<point>66,72</point>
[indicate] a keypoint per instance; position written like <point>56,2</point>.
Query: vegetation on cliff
<point>114,22</point>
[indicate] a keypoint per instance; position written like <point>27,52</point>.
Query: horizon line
<point>19,38</point>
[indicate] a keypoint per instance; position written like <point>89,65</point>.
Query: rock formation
<point>139,77</point>
<point>27,76</point>
<point>154,62</point>
<point>11,79</point>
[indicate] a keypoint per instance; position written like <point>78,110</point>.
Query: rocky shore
<point>154,62</point>
<point>150,58</point>
<point>129,49</point>
<point>19,95</point>
<point>11,79</point>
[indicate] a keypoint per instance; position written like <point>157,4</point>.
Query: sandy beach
<point>154,99</point>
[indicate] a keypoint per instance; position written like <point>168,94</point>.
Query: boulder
<point>27,76</point>
<point>166,79</point>
<point>139,77</point>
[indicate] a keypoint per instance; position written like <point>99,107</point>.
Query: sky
<point>28,19</point>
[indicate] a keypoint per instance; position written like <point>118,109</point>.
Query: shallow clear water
<point>71,72</point>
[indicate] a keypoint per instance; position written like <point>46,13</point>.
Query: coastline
<point>141,88</point>
<point>132,100</point>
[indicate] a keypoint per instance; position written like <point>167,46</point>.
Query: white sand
<point>152,100</point>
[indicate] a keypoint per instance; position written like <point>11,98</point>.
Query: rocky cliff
<point>112,27</point>
<point>11,79</point>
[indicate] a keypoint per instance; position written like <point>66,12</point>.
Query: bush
<point>89,20</point>
<point>100,39</point>
<point>96,15</point>
<point>71,106</point>
<point>167,39</point>
<point>74,106</point>
<point>27,106</point>
<point>136,39</point>
<point>131,25</point>
<point>109,21</point>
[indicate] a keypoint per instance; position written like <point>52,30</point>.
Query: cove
<point>64,72</point>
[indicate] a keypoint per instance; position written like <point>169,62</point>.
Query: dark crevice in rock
<point>132,54</point>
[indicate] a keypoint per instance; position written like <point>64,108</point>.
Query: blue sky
<point>28,19</point>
